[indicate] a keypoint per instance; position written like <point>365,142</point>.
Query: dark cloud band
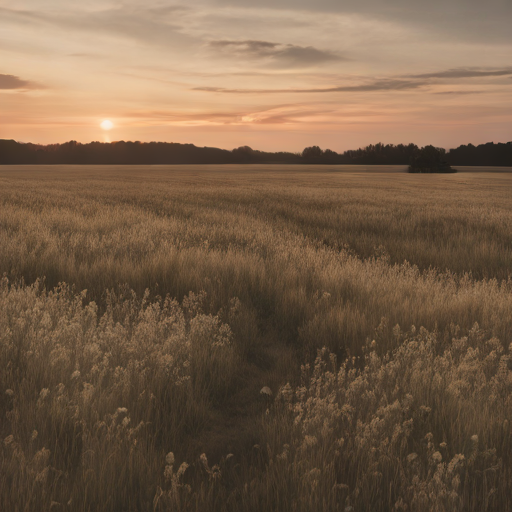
<point>11,82</point>
<point>391,84</point>
<point>288,55</point>
<point>466,73</point>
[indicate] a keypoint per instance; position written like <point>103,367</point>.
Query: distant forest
<point>12,152</point>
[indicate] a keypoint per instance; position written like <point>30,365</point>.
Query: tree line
<point>72,152</point>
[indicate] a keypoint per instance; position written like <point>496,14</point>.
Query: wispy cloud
<point>289,55</point>
<point>459,93</point>
<point>404,83</point>
<point>12,82</point>
<point>378,85</point>
<point>180,117</point>
<point>84,55</point>
<point>471,20</point>
<point>466,73</point>
<point>149,26</point>
<point>276,114</point>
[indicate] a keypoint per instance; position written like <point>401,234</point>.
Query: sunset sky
<point>272,74</point>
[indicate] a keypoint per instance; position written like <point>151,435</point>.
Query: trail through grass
<point>190,288</point>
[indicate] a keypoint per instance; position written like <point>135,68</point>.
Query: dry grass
<point>290,260</point>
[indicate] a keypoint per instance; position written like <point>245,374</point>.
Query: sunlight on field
<point>190,288</point>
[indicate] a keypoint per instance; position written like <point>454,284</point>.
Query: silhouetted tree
<point>485,154</point>
<point>430,160</point>
<point>312,152</point>
<point>72,152</point>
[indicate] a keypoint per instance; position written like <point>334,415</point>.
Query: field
<point>255,338</point>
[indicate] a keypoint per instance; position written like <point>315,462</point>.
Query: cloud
<point>409,82</point>
<point>170,116</point>
<point>84,55</point>
<point>273,115</point>
<point>378,85</point>
<point>466,73</point>
<point>146,26</point>
<point>459,93</point>
<point>470,20</point>
<point>10,82</point>
<point>283,54</point>
<point>214,89</point>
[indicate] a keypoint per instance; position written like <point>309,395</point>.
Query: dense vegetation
<point>166,374</point>
<point>430,160</point>
<point>132,153</point>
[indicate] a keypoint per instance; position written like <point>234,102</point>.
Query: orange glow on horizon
<point>276,80</point>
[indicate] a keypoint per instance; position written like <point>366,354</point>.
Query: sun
<point>107,125</point>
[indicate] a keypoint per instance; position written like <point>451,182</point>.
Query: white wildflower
<point>412,457</point>
<point>459,458</point>
<point>286,392</point>
<point>182,469</point>
<point>204,461</point>
<point>310,441</point>
<point>169,458</point>
<point>437,457</point>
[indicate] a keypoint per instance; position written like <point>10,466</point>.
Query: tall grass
<point>93,402</point>
<point>189,289</point>
<point>275,241</point>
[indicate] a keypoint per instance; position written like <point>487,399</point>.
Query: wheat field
<point>231,338</point>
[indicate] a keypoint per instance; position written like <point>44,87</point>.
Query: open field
<point>407,407</point>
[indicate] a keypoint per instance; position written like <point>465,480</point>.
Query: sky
<point>273,74</point>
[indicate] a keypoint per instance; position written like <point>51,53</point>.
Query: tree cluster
<point>12,152</point>
<point>125,153</point>
<point>485,154</point>
<point>430,160</point>
<point>418,158</point>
